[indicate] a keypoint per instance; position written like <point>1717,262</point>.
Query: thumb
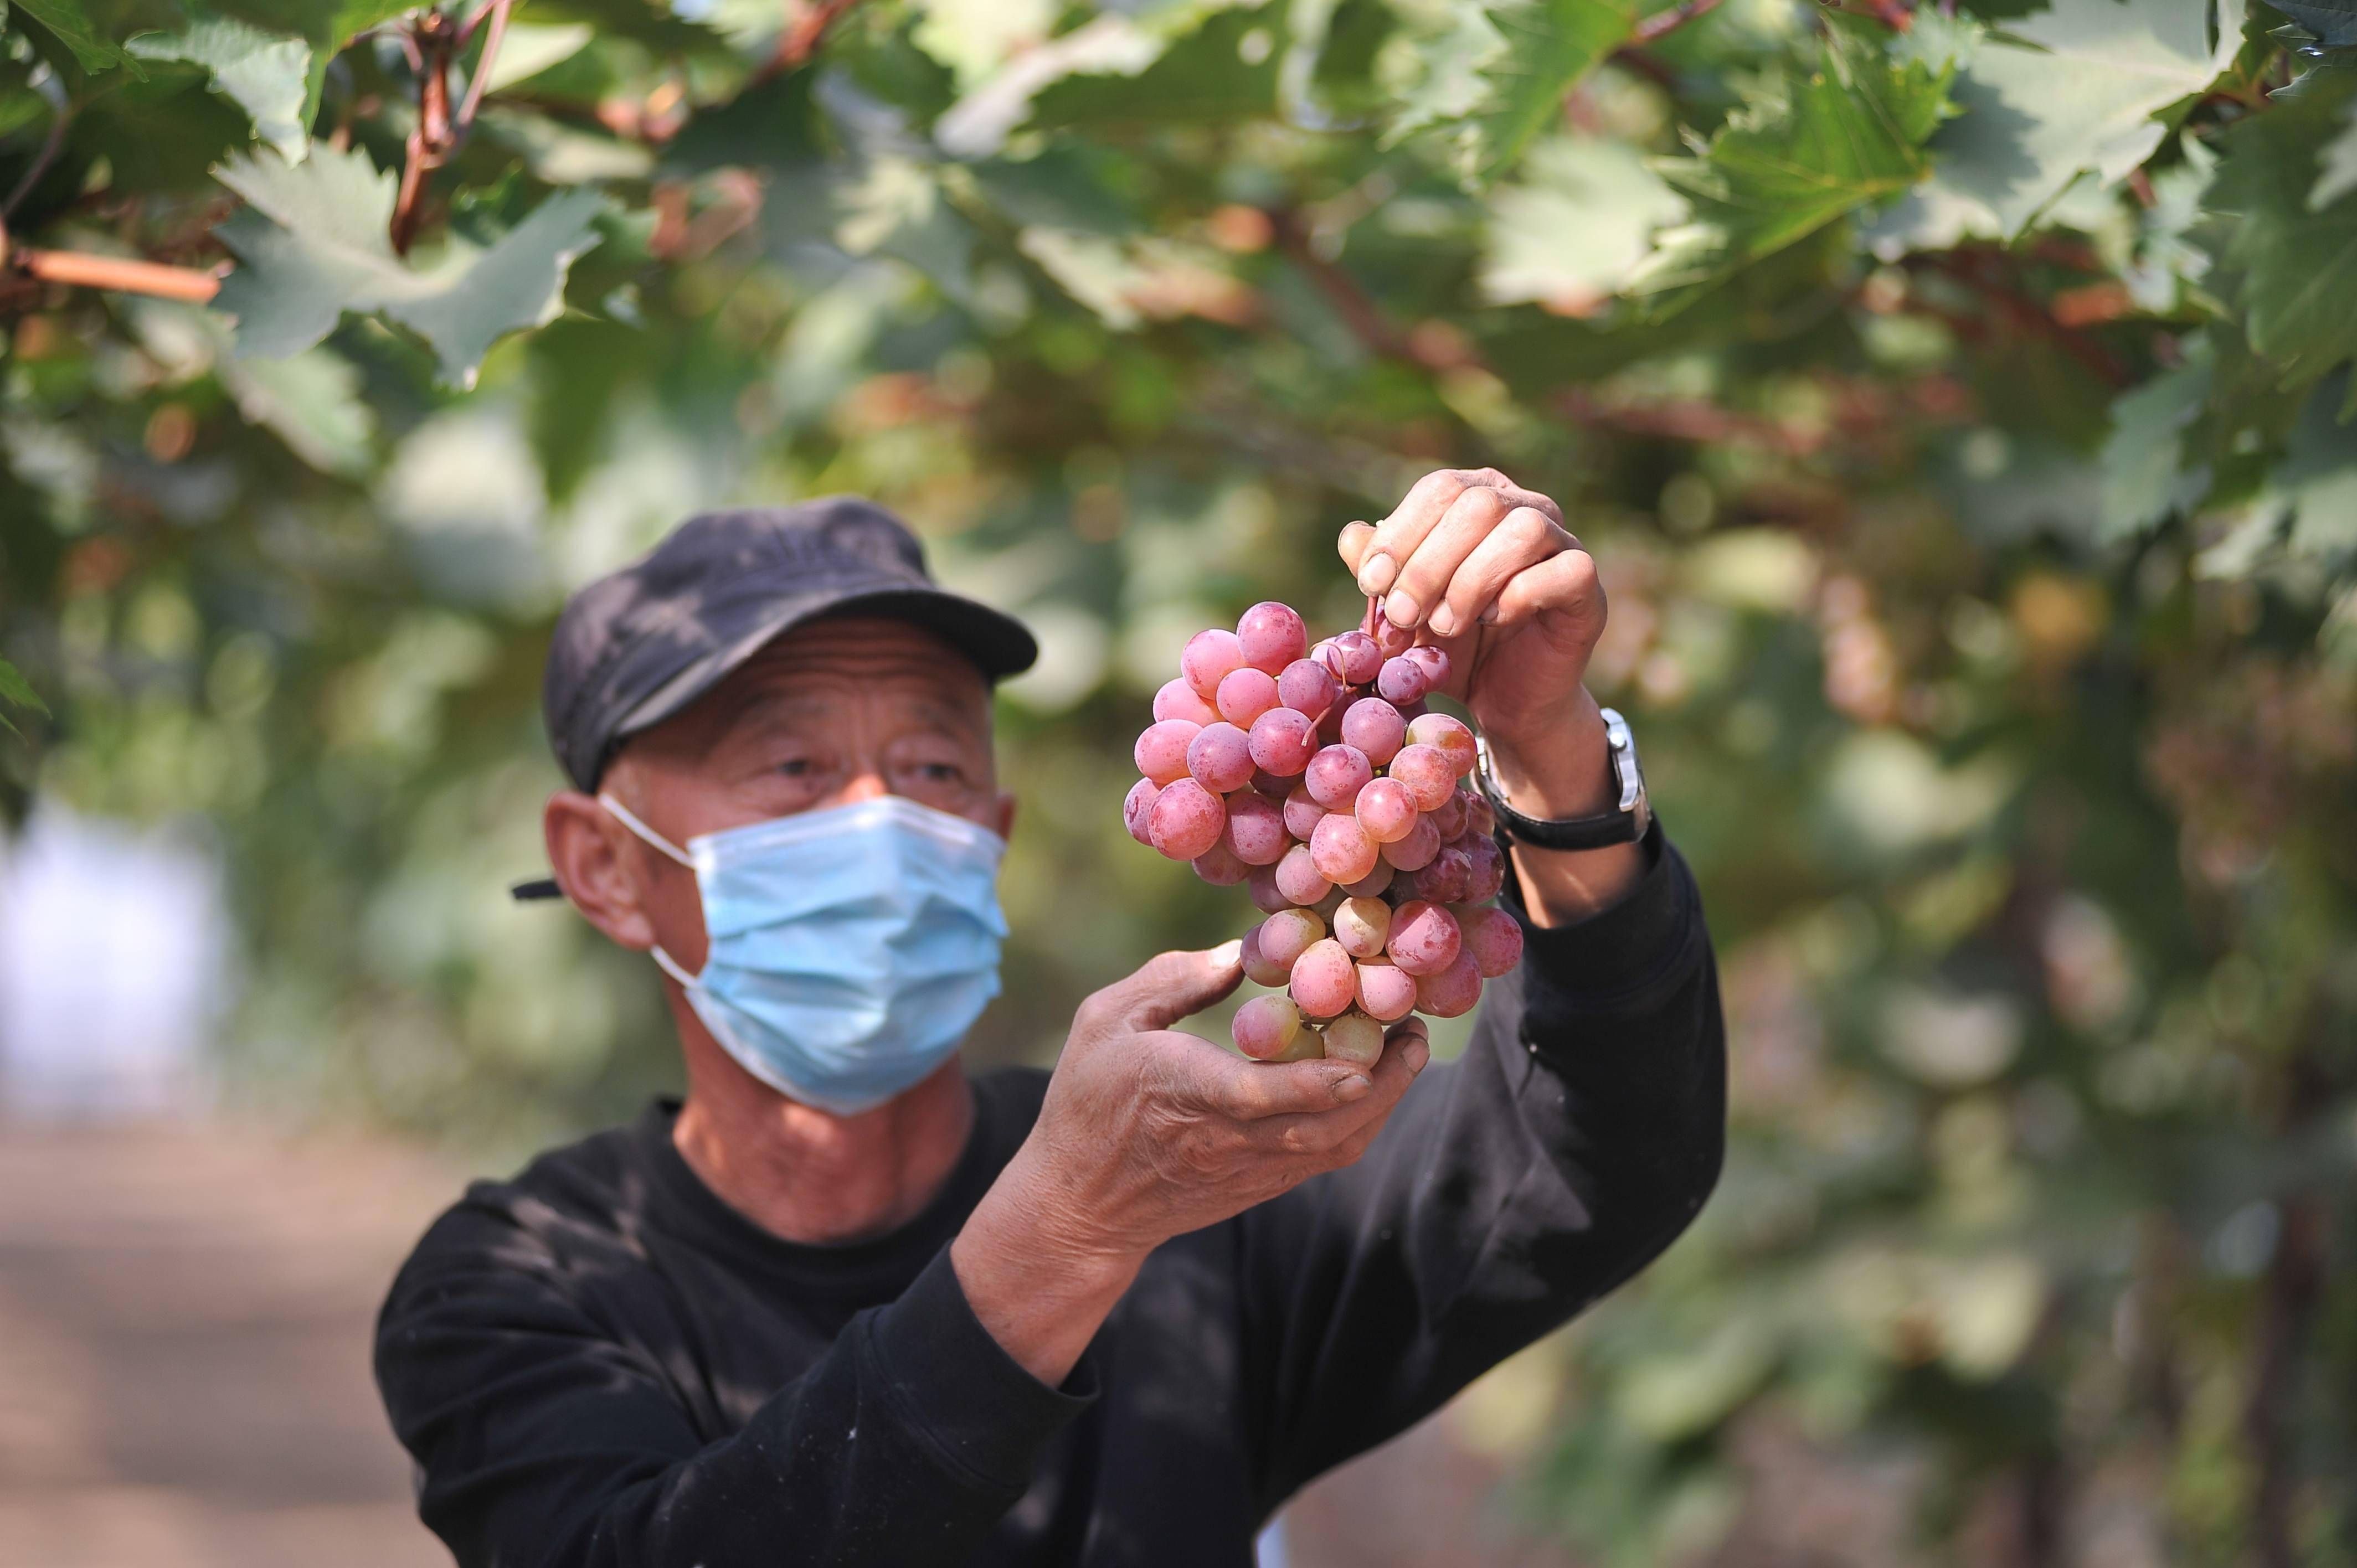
<point>1169,986</point>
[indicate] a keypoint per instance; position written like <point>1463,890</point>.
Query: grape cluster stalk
<point>1316,778</point>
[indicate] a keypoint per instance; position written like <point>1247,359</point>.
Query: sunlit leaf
<point>2298,265</point>
<point>1528,56</point>
<point>265,75</point>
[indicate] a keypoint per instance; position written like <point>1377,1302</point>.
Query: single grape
<point>1266,897</point>
<point>1360,925</point>
<point>1258,968</point>
<point>1283,741</point>
<point>1298,878</point>
<point>1355,1038</point>
<point>1308,1046</point>
<point>1414,852</point>
<point>1375,728</point>
<point>1385,991</point>
<point>1177,700</point>
<point>1161,752</point>
<point>1423,937</point>
<point>1393,641</point>
<point>1265,1025</point>
<point>1433,662</point>
<point>1286,935</point>
<point>1340,848</point>
<point>1386,812</point>
<point>1324,980</point>
<point>1360,657</point>
<point>1452,992</point>
<point>1308,687</point>
<point>1136,805</point>
<point>1480,821</point>
<point>1448,878</point>
<point>1372,884</point>
<point>1301,814</point>
<point>1255,833</point>
<point>1187,820</point>
<point>1219,866</point>
<point>1220,758</point>
<point>1245,694</point>
<point>1493,937</point>
<point>1449,815</point>
<point>1327,654</point>
<point>1271,636</point>
<point>1335,776</point>
<point>1427,776</point>
<point>1449,736</point>
<point>1402,680</point>
<point>1207,659</point>
<point>1488,870</point>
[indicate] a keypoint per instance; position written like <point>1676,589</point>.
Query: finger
<point>1425,575</point>
<point>1168,987</point>
<point>1396,537</point>
<point>1352,545</point>
<point>1523,539</point>
<point>1565,583</point>
<point>1258,1092</point>
<point>1406,1051</point>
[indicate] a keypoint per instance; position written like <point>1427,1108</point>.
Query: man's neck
<point>805,1176</point>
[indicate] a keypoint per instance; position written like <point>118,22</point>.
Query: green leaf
<point>334,27</point>
<point>14,689</point>
<point>1570,232</point>
<point>264,74</point>
<point>1546,47</point>
<point>2336,166</point>
<point>2145,478</point>
<point>2332,23</point>
<point>2298,266</point>
<point>1109,53</point>
<point>2318,478</point>
<point>71,27</point>
<point>314,244</point>
<point>1851,133</point>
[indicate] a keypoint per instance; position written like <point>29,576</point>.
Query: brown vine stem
<point>806,28</point>
<point>433,41</point>
<point>482,80</point>
<point>1662,23</point>
<point>79,269</point>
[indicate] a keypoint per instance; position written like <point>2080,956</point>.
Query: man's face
<point>828,714</point>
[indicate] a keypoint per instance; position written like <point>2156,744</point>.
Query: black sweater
<point>600,1363</point>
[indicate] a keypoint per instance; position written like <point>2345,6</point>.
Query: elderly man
<point>846,1304</point>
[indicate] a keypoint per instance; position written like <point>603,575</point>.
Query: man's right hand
<point>1148,1133</point>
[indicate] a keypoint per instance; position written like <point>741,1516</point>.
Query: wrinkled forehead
<point>824,667</point>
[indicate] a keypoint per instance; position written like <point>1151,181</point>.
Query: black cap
<point>639,645</point>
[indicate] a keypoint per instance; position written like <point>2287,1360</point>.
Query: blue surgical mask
<point>850,948</point>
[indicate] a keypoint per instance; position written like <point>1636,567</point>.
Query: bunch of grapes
<point>1316,777</point>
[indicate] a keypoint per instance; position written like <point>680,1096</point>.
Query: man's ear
<point>593,856</point>
<point>1006,816</point>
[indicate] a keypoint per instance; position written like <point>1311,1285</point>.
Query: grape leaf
<point>71,27</point>
<point>2336,166</point>
<point>2332,23</point>
<point>314,243</point>
<point>16,689</point>
<point>2145,478</point>
<point>2298,266</point>
<point>264,74</point>
<point>1547,46</point>
<point>1781,169</point>
<point>334,26</point>
<point>2318,478</point>
<point>1568,232</point>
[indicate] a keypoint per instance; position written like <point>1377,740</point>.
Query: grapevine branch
<point>78,269</point>
<point>433,41</point>
<point>806,28</point>
<point>1662,23</point>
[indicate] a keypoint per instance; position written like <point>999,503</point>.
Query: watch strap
<point>1625,823</point>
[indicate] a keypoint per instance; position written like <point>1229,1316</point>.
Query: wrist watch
<point>1625,823</point>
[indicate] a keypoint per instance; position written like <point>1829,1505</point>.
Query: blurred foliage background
<point>1957,395</point>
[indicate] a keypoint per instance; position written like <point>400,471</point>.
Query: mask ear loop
<point>623,815</point>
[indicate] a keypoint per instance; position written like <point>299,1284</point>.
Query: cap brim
<point>998,644</point>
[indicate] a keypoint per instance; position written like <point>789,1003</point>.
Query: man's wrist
<point>1034,1281</point>
<point>1559,769</point>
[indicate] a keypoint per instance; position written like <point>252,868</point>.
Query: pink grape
<point>1308,1046</point>
<point>1372,884</point>
<point>1255,834</point>
<point>1448,878</point>
<point>1355,1038</point>
<point>1394,640</point>
<point>1414,852</point>
<point>1266,897</point>
<point>1423,937</point>
<point>1136,805</point>
<point>1265,1025</point>
<point>1425,773</point>
<point>1452,991</point>
<point>1387,990</point>
<point>1220,758</point>
<point>1276,787</point>
<point>1340,848</point>
<point>1488,870</point>
<point>1386,812</point>
<point>1308,687</point>
<point>1177,700</point>
<point>1375,728</point>
<point>1323,653</point>
<point>1219,866</point>
<point>1283,740</point>
<point>1187,820</point>
<point>1298,878</point>
<point>1271,636</point>
<point>1286,935</point>
<point>1480,820</point>
<point>1433,662</point>
<point>1207,659</point>
<point>1258,967</point>
<point>1161,752</point>
<point>1335,776</point>
<point>1362,657</point>
<point>1245,694</point>
<point>1360,925</point>
<point>1449,815</point>
<point>1494,938</point>
<point>1402,680</point>
<point>1301,814</point>
<point>1447,736</point>
<point>1324,980</point>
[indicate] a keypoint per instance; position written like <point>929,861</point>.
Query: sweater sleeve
<point>1579,1133</point>
<point>544,1440</point>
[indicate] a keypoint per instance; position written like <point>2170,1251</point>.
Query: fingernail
<point>1376,573</point>
<point>1417,1054</point>
<point>1443,622</point>
<point>1400,610</point>
<point>1490,616</point>
<point>1352,1088</point>
<point>1230,953</point>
